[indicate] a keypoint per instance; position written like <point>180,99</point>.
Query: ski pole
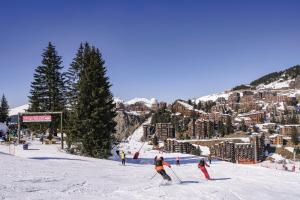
<point>153,176</point>
<point>175,174</point>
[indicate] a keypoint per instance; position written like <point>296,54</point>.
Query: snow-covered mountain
<point>19,109</point>
<point>147,102</point>
<point>118,100</point>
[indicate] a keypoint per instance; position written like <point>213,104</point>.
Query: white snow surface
<point>45,172</point>
<point>19,109</point>
<point>275,85</point>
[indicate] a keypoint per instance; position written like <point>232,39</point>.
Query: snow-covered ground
<point>45,172</point>
<point>275,85</point>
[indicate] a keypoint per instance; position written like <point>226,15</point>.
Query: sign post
<point>40,117</point>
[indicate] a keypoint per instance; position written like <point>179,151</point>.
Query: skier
<point>118,151</point>
<point>177,161</point>
<point>201,166</point>
<point>209,159</point>
<point>155,158</point>
<point>159,167</point>
<point>122,156</point>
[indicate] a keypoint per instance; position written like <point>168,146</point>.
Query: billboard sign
<point>37,118</point>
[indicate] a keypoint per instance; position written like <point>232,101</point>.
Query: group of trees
<point>83,93</point>
<point>4,110</point>
<point>291,72</point>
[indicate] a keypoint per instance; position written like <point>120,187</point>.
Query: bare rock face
<point>297,82</point>
<point>126,124</point>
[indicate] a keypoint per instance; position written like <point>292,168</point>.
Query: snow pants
<point>123,161</point>
<point>164,175</point>
<point>204,171</point>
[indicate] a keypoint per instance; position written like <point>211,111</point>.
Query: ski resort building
<point>175,146</point>
<point>247,153</point>
<point>164,131</point>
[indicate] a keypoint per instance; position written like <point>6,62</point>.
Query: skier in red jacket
<point>201,166</point>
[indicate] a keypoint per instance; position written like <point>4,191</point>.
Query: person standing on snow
<point>122,156</point>
<point>159,167</point>
<point>201,166</point>
<point>177,161</point>
<point>209,159</point>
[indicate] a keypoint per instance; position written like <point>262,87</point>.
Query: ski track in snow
<point>47,173</point>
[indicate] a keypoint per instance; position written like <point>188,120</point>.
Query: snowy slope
<point>213,97</point>
<point>19,109</point>
<point>44,172</point>
<point>275,85</point>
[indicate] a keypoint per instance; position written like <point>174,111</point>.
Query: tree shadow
<point>219,179</point>
<point>56,158</point>
<point>31,149</point>
<point>188,182</point>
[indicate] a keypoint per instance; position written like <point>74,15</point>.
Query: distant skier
<point>155,158</point>
<point>177,161</point>
<point>159,167</point>
<point>209,159</point>
<point>123,157</point>
<point>201,166</point>
<point>118,151</point>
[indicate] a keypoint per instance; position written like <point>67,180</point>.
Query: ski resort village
<point>149,100</point>
<point>247,138</point>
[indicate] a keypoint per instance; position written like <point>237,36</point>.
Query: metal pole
<point>61,130</point>
<point>19,127</point>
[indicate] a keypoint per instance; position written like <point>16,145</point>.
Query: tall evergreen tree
<point>47,88</point>
<point>3,110</point>
<point>95,109</point>
<point>72,91</point>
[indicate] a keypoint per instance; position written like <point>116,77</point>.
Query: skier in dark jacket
<point>201,166</point>
<point>209,159</point>
<point>159,167</point>
<point>155,158</point>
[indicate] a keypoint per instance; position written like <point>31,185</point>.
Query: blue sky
<point>163,49</point>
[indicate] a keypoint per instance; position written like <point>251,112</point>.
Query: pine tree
<point>72,79</point>
<point>4,110</point>
<point>95,109</point>
<point>47,88</point>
